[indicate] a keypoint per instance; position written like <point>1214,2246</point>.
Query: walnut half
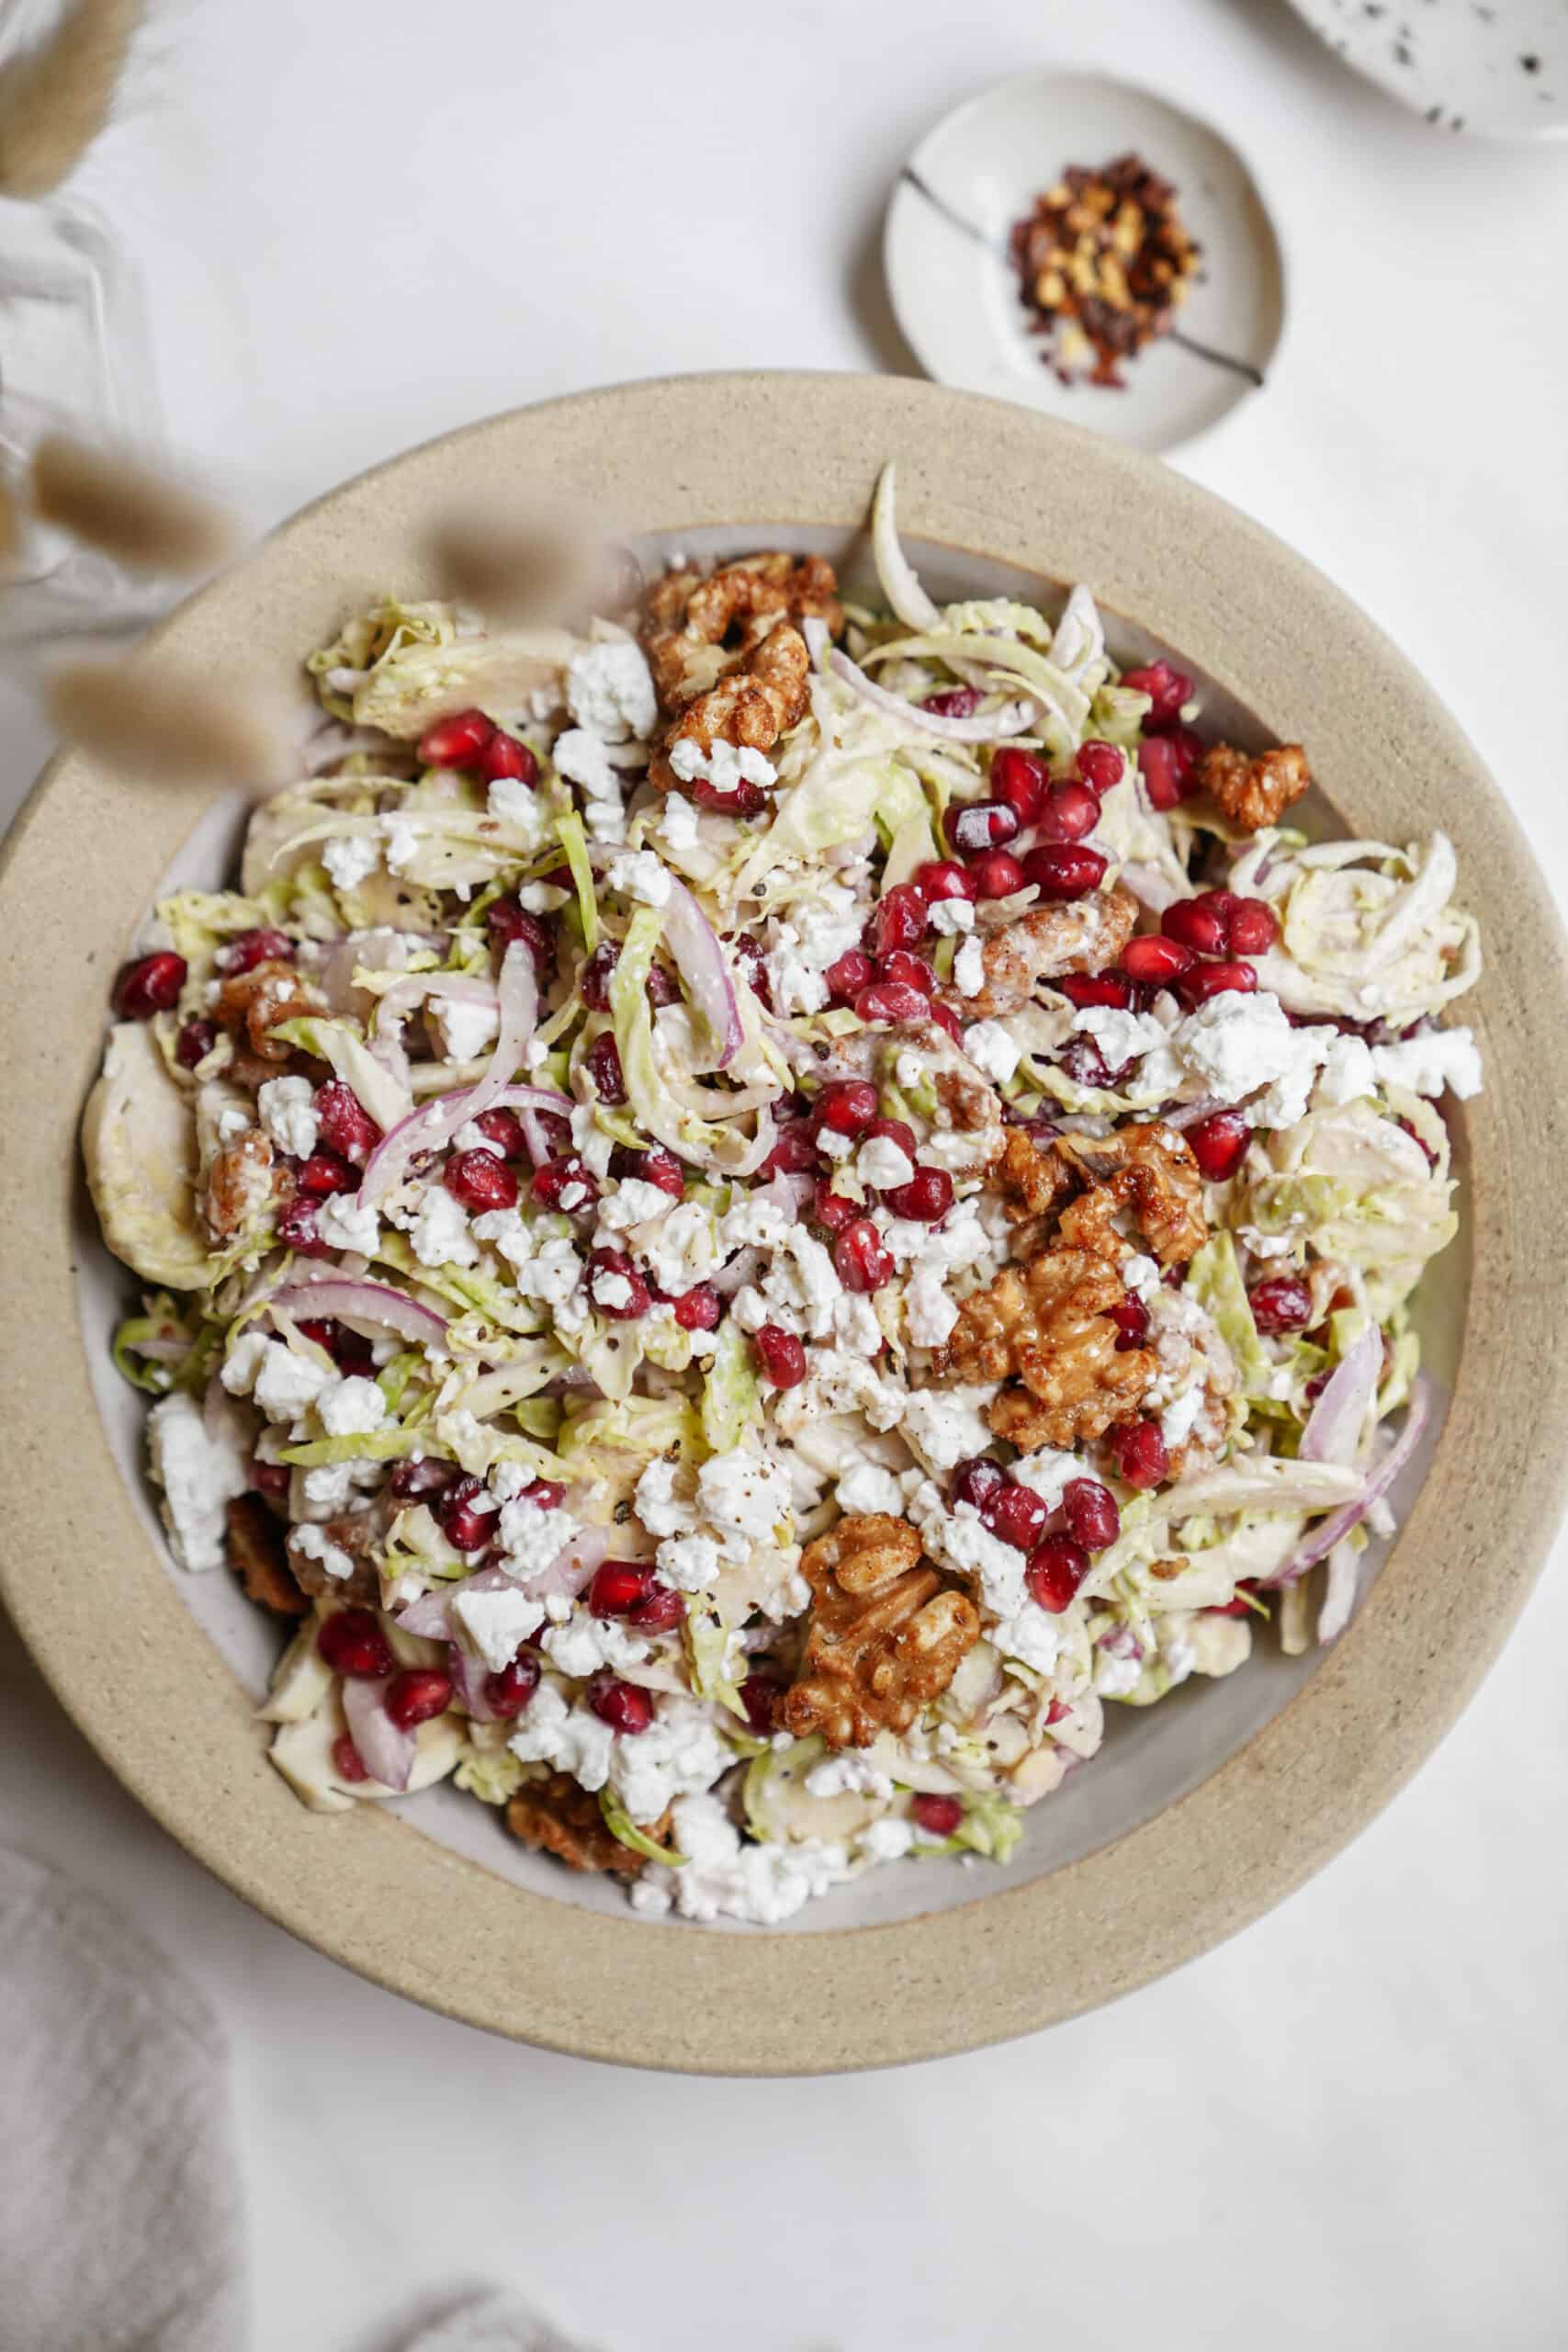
<point>886,1637</point>
<point>556,1816</point>
<point>1254,792</point>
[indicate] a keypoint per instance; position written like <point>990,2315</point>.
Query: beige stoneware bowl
<point>1212,1807</point>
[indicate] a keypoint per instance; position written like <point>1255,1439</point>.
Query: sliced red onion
<point>468,1683</point>
<point>386,1752</point>
<point>517,993</point>
<point>699,959</point>
<point>431,1615</point>
<point>786,1193</point>
<point>1011,719</point>
<point>1379,1480</point>
<point>572,1566</point>
<point>1150,886</point>
<point>432,1128</point>
<point>1187,1114</point>
<point>1333,1432</point>
<point>364,1302</point>
<point>739,1270</point>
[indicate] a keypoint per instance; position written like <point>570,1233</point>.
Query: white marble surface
<point>361,226</point>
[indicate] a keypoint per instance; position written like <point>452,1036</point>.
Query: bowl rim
<point>997,480</point>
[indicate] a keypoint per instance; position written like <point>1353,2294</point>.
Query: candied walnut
<point>1083,935</point>
<point>749,708</point>
<point>1254,792</point>
<point>239,1183</point>
<point>556,1816</point>
<point>358,1533</point>
<point>258,1000</point>
<point>1047,1325</point>
<point>699,630</point>
<point>1032,1184</point>
<point>259,1556</point>
<point>885,1635</point>
<point>1149,1169</point>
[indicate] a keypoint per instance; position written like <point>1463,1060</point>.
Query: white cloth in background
<point>120,2224</point>
<point>119,2207</point>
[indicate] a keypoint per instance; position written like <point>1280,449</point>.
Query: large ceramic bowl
<point>1205,1810</point>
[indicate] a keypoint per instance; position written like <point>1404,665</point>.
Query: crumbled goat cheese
<point>930,1314</point>
<point>849,1775</point>
<point>1114,1676</point>
<point>1348,1073</point>
<point>723,1878</point>
<point>637,874</point>
<point>1033,1637</point>
<point>1429,1062</point>
<point>969,968</point>
<point>883,1165</point>
<point>497,1622</point>
<point>951,916</point>
<point>743,1498</point>
<point>233,1123</point>
<point>684,1251</point>
<point>285,1104</point>
<point>568,1739</point>
<point>1177,1421</point>
<point>659,1507</point>
<point>199,1471</point>
<point>584,1645</point>
<point>1141,1276</point>
<point>945,1425</point>
<point>723,765</point>
<point>342,1223</point>
<point>886,1842</point>
<point>678,824</point>
<point>466,1029</point>
<point>1047,1473</point>
<point>868,1487</point>
<point>286,1383</point>
<point>1121,1037</point>
<point>960,1538</point>
<point>439,1230</point>
<point>609,689</point>
<point>349,857</point>
<point>352,1408</point>
<point>315,1543</point>
<point>521,810</point>
<point>689,1562</point>
<point>611,1290</point>
<point>534,1539</point>
<point>991,1049</point>
<point>679,1754</point>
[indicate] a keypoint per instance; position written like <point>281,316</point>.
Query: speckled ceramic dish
<point>1497,68</point>
<point>1209,1808</point>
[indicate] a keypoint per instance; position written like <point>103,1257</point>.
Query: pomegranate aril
<point>1197,923</point>
<point>347,1762</point>
<point>1015,1514</point>
<point>1056,1568</point>
<point>508,1693</point>
<point>249,948</point>
<point>942,878</point>
<point>660,1613</point>
<point>795,1154</point>
<point>416,1695</point>
<point>1239,1605</point>
<point>976,1479</point>
<point>1064,870</point>
<point>504,1131</point>
<point>742,799</point>
<point>1097,988</point>
<point>1154,962</point>
<point>753,965</point>
<point>1165,771</point>
<point>954,702</point>
<point>151,985</point>
<point>616,1588</point>
<point>781,1355</point>
<point>1140,1455</point>
<point>849,974</point>
<point>546,1493</point>
<point>662,988</point>
<point>1057,1711</point>
<point>564,1183</point>
<point>296,1230</point>
<point>1022,779</point>
<point>507,922</point>
<point>981,825</point>
<point>195,1042</point>
<point>925,1199</point>
<point>467,1527</point>
<point>945,1018</point>
<point>503,755</point>
<point>456,742</point>
<point>1206,981</point>
<point>1070,812</point>
<point>1219,1144</point>
<point>847,1105</point>
<point>859,1257</point>
<point>893,1000</point>
<point>417,1481</point>
<point>901,917</point>
<point>593,981</point>
<point>344,1124</point>
<point>353,1643</point>
<point>324,1174</point>
<point>1168,689</point>
<point>661,1168</point>
<point>1254,927</point>
<point>625,1706</point>
<point>832,1211</point>
<point>760,1695</point>
<point>937,1817</point>
<point>698,1309</point>
<point>1131,1318</point>
<point>1099,765</point>
<point>603,1062</point>
<point>996,873</point>
<point>607,1271</point>
<point>901,969</point>
<point>270,1478</point>
<point>1283,1302</point>
<point>896,1131</point>
<point>1090,1511</point>
<point>480,1181</point>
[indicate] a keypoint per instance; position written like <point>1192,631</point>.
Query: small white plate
<point>1498,68</point>
<point>955,291</point>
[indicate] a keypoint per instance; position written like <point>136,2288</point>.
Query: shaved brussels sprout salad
<point>749,1217</point>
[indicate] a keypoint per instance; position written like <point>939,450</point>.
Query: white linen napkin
<point>120,2223</point>
<point>120,2207</point>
